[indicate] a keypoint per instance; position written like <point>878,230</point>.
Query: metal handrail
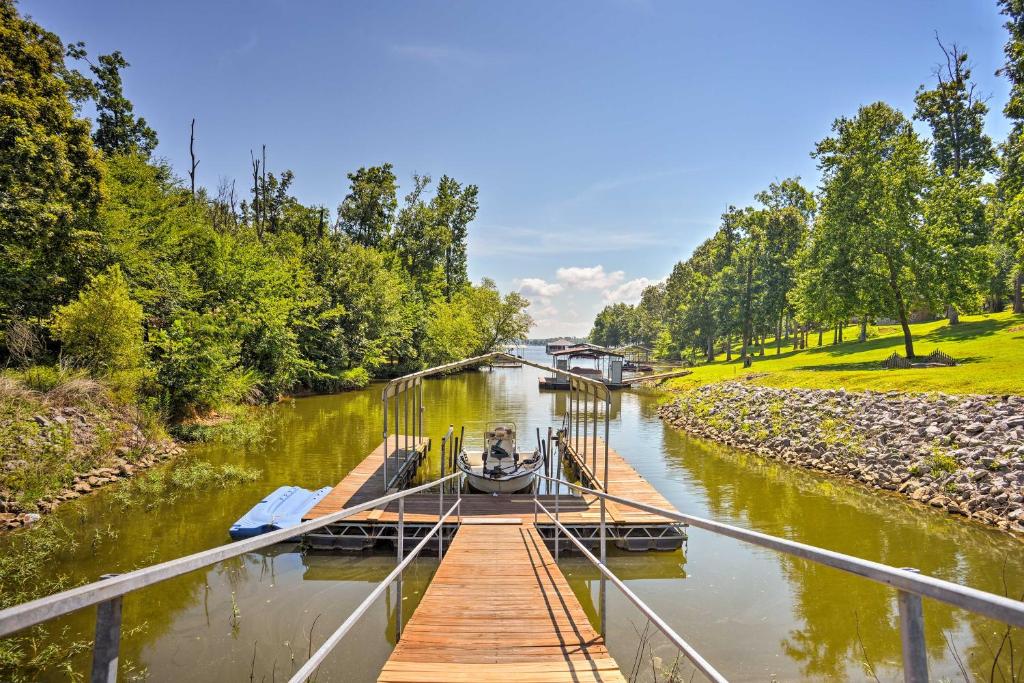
<point>677,640</point>
<point>911,585</point>
<point>317,658</point>
<point>108,592</point>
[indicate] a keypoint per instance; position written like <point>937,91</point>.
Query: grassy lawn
<point>989,348</point>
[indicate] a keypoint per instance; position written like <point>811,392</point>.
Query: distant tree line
<point>191,298</point>
<point>900,225</point>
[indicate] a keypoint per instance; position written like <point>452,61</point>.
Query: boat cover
<point>282,509</point>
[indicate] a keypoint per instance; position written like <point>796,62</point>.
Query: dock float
<point>532,629</point>
<point>627,528</point>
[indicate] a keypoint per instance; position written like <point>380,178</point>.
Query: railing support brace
<point>915,654</point>
<point>107,646</point>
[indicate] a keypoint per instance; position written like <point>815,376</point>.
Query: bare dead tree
<point>256,193</point>
<point>192,153</point>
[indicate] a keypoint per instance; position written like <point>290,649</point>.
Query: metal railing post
<point>107,644</point>
<point>387,402</point>
<point>593,468</point>
<point>558,498</point>
<point>576,413</point>
<point>397,445</point>
<point>604,561</point>
<point>586,421</point>
<point>440,514</point>
<point>398,580</point>
<point>405,413</point>
<point>915,654</point>
<point>607,418</point>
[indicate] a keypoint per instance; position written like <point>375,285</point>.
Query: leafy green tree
<point>49,173</point>
<point>455,207</point>
<point>956,116</point>
<point>102,328</point>
<point>118,130</point>
<point>367,214</point>
<point>874,174</point>
<point>962,154</point>
<point>1010,227</point>
<point>197,365</point>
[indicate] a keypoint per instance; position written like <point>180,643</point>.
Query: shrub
<point>356,378</point>
<point>103,327</point>
<point>197,365</point>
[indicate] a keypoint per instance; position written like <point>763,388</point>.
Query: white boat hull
<point>510,481</point>
<point>490,485</point>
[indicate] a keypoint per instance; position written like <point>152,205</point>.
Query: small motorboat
<point>282,509</point>
<point>502,468</point>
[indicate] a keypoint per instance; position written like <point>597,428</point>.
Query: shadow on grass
<point>969,330</point>
<point>873,365</point>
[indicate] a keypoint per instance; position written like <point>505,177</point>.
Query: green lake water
<point>754,614</point>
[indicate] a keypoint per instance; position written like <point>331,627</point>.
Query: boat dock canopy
<point>585,350</point>
<point>558,345</point>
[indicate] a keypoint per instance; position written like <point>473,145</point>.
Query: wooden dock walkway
<point>657,377</point>
<point>499,609</point>
<point>623,481</point>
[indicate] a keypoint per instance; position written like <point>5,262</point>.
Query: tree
<point>874,174</point>
<point>367,214</point>
<point>962,154</point>
<point>102,328</point>
<point>49,173</point>
<point>118,130</point>
<point>1010,228</point>
<point>956,116</point>
<point>455,207</point>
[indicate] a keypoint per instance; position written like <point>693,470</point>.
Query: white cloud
<point>628,292</point>
<point>593,277</point>
<point>544,311</point>
<point>535,286</point>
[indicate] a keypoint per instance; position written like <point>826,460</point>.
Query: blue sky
<point>606,137</point>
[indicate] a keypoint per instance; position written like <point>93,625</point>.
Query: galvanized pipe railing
<point>108,592</point>
<point>909,584</point>
<point>317,658</point>
<point>578,385</point>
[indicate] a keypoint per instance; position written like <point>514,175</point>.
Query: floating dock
<point>627,528</point>
<point>533,630</point>
<point>562,384</point>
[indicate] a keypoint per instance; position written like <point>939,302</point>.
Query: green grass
<point>989,349</point>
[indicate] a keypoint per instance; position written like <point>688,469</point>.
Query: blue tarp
<point>282,509</point>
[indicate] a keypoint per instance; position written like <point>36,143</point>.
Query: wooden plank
<point>366,480</point>
<point>499,609</point>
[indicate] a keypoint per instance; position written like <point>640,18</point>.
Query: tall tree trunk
<point>711,349</point>
<point>1018,295</point>
<point>952,314</point>
<point>821,333</point>
<point>778,335</point>
<point>864,328</point>
<point>835,335</point>
<point>842,324</point>
<point>901,309</point>
<point>728,347</point>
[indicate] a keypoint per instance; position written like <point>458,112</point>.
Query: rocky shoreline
<point>81,432</point>
<point>961,454</point>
